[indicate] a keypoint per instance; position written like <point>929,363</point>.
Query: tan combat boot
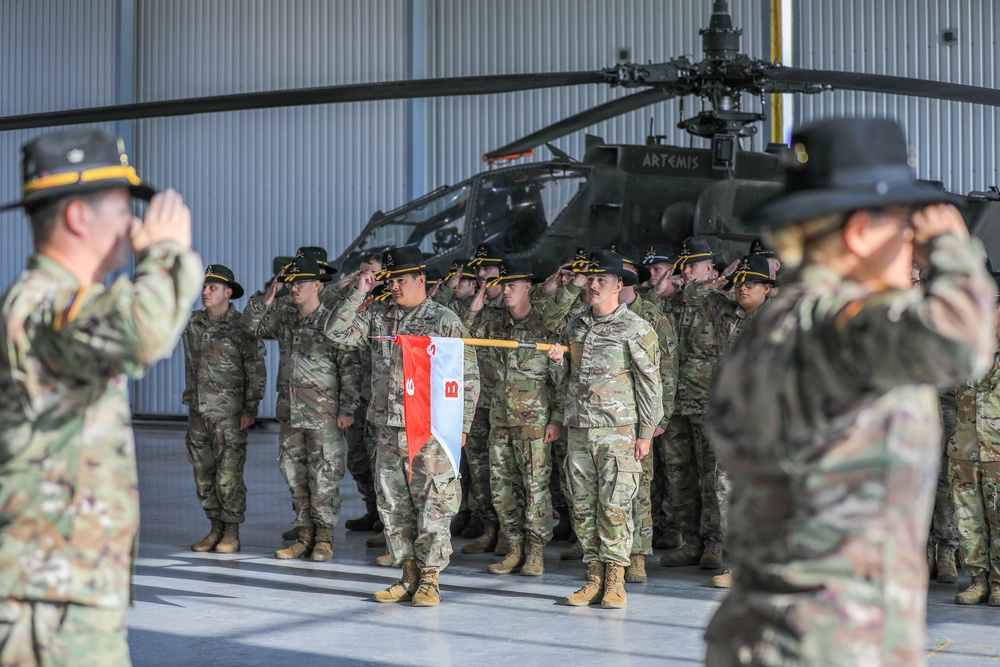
<point>208,542</point>
<point>994,600</point>
<point>724,580</point>
<point>591,591</point>
<point>403,589</point>
<point>385,560</point>
<point>485,542</point>
<point>614,587</point>
<point>300,547</point>
<point>976,593</point>
<point>428,592</point>
<point>689,554</point>
<point>711,556</point>
<point>511,562</point>
<point>534,561</point>
<point>503,544</point>
<point>230,542</point>
<point>323,549</point>
<point>947,570</point>
<point>575,552</point>
<point>636,571</point>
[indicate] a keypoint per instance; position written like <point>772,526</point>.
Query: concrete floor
<point>251,609</point>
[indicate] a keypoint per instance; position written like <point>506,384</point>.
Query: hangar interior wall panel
<point>522,36</point>
<point>953,142</point>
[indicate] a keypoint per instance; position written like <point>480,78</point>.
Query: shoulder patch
<point>71,304</point>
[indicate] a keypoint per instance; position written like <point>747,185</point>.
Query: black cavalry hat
<point>607,261</point>
<point>317,254</point>
<point>515,268</point>
<point>75,162</point>
<point>758,249</point>
<point>658,252</point>
<point>466,273</point>
<point>633,257</point>
<point>844,164</point>
<point>304,268</point>
<point>488,254</point>
<point>398,261</point>
<point>217,273</point>
<point>752,269</point>
<point>694,249</point>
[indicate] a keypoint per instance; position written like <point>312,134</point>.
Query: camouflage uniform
<point>974,473</point>
<point>612,388</point>
<point>360,435</point>
<point>825,415</point>
<point>69,502</point>
<point>224,380</point>
<point>944,531</point>
<point>311,373</point>
<point>416,512</point>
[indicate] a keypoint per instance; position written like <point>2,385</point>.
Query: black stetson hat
<point>75,162</point>
<point>455,265</point>
<point>303,268</point>
<point>633,257</point>
<point>752,269</point>
<point>657,253</point>
<point>515,268</point>
<point>217,273</point>
<point>317,254</point>
<point>398,261</point>
<point>844,164</point>
<point>758,249</point>
<point>488,254</point>
<point>607,261</point>
<point>694,249</point>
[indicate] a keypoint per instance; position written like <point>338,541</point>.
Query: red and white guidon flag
<point>433,393</point>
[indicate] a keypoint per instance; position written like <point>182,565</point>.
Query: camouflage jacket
<point>977,430</point>
<point>223,366</point>
<point>347,327</point>
<point>69,501</point>
<point>317,381</point>
<point>824,413</point>
<point>667,337</point>
<point>613,374</point>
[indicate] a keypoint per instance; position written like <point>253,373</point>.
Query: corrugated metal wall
<point>954,143</point>
<point>261,183</point>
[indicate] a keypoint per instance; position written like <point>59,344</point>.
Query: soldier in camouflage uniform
<point>69,502</point>
<point>974,473</point>
<point>317,384</point>
<point>224,380</point>
<point>416,503</point>
<point>942,541</point>
<point>824,410</point>
<point>613,408</point>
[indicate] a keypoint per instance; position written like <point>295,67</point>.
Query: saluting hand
<point>551,283</point>
<point>346,280</point>
<point>479,300</point>
<point>935,220</point>
<point>456,277</point>
<point>365,282</point>
<point>580,280</point>
<point>665,285</point>
<point>167,219</point>
<point>272,290</point>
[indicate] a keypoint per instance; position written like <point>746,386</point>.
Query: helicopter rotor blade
<point>579,121</point>
<point>363,92</point>
<point>882,83</point>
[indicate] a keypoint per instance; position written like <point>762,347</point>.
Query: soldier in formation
<point>69,502</point>
<point>224,380</point>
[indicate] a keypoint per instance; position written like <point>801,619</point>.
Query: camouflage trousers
<point>520,471</point>
<point>603,476</point>
<point>557,485</point>
<point>35,633</point>
<point>944,531</point>
<point>417,510</point>
<point>642,510</point>
<point>691,475</point>
<point>217,450</point>
<point>477,453</point>
<point>975,488</point>
<point>663,518</point>
<point>361,455</point>
<point>312,463</point>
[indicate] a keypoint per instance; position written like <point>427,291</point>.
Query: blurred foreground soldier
<point>416,504</point>
<point>613,408</point>
<point>69,503</point>
<point>224,380</point>
<point>974,475</point>
<point>824,411</point>
<point>314,377</point>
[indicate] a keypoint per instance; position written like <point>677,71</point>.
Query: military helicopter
<point>635,193</point>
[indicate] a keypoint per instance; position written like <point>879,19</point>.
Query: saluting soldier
<point>824,410</point>
<point>613,408</point>
<point>312,377</point>
<point>416,503</point>
<point>69,501</point>
<point>224,380</point>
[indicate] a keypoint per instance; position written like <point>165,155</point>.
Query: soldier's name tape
<point>494,342</point>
